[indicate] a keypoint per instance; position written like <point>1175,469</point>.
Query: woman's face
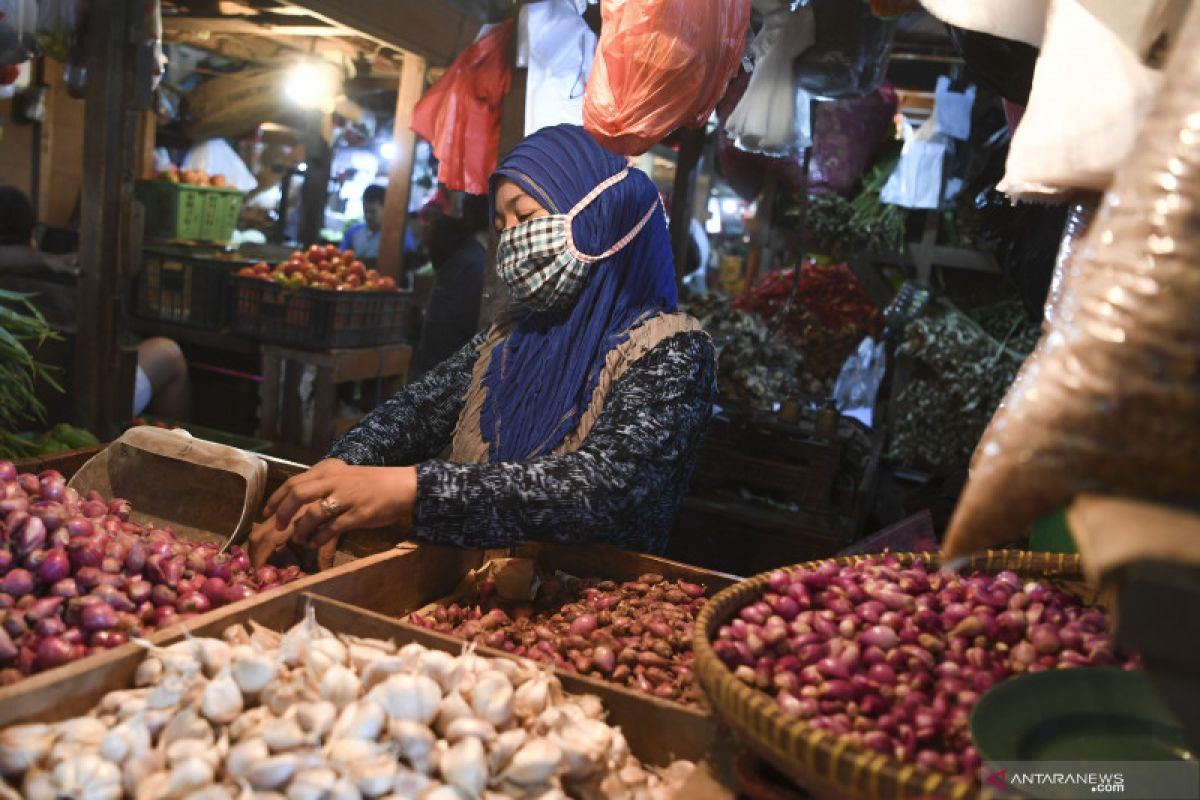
<point>514,206</point>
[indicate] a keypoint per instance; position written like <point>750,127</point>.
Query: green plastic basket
<point>182,212</point>
<point>221,210</point>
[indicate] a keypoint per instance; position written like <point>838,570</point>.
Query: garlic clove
<point>316,719</point>
<point>504,747</point>
<point>253,671</point>
<point>222,700</point>
<point>344,790</point>
<point>404,696</point>
<point>312,784</point>
<point>444,793</point>
<point>138,769</point>
<point>284,734</point>
<point>149,672</point>
<point>273,772</point>
<point>214,792</point>
<point>374,777</point>
<point>441,666</point>
<point>492,698</point>
<point>410,655</point>
<point>409,785</point>
<point>452,708</point>
<point>249,723</point>
<point>188,775</point>
<point>415,742</point>
<point>236,634</point>
<point>470,726</point>
<point>265,638</point>
<point>464,766</point>
<point>38,785</point>
<point>381,669</point>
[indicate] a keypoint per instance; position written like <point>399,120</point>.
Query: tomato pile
<point>192,177</point>
<point>322,267</point>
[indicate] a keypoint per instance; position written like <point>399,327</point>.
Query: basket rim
<point>784,740</point>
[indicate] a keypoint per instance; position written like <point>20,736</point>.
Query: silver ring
<point>331,507</point>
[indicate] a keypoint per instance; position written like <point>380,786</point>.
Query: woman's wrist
<point>405,487</point>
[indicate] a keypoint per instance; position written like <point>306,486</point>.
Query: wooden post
<point>512,131</point>
<point>101,394</point>
<point>314,195</point>
<point>760,238</point>
<point>691,145</point>
<point>399,188</point>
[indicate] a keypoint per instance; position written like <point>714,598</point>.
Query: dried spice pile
<point>960,375</point>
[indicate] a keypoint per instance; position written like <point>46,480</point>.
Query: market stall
<point>914,456</point>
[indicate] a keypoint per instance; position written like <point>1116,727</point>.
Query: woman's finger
<point>306,522</point>
<point>332,529</point>
<point>288,487</point>
<point>265,539</point>
<point>300,496</point>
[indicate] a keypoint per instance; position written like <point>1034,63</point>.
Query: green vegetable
<point>22,328</point>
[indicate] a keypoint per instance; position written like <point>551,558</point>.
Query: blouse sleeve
<point>621,487</point>
<point>418,422</point>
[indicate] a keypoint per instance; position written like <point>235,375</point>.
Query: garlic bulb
<point>531,697</point>
<point>410,655</point>
<point>323,654</point>
<point>243,756</point>
<point>284,734</point>
<point>452,708</point>
<point>253,671</point>
<point>362,719</point>
<point>312,784</point>
<point>265,638</point>
<point>404,696</point>
<point>184,749</point>
<point>316,719</point>
<point>492,697</point>
<point>374,776</point>
<point>440,666</point>
<point>138,768</point>
<point>22,746</point>
<point>339,685</point>
<point>504,747</point>
<point>464,766</point>
<point>535,763</point>
<point>415,741</point>
<point>87,777</point>
<point>187,724</point>
<point>124,740</point>
<point>273,772</point>
<point>381,669</point>
<point>188,775</point>
<point>222,699</point>
<point>584,744</point>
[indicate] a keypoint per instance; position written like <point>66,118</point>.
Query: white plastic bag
<point>216,157</point>
<point>773,116</point>
<point>18,30</point>
<point>557,46</point>
<point>917,180</point>
<point>859,381</point>
<point>953,109</point>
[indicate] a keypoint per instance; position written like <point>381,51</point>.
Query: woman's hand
<point>318,506</point>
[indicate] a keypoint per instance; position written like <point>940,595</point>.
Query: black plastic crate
<point>188,289</point>
<point>317,318</point>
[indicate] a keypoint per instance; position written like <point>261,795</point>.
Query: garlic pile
<point>308,715</point>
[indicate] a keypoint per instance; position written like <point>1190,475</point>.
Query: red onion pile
<point>894,657</point>
<point>76,576</point>
<point>637,633</point>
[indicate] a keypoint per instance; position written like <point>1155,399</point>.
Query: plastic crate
<point>317,318</point>
<point>183,212</point>
<point>176,285</point>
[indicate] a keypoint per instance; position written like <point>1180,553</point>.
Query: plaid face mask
<point>534,262</point>
<point>538,259</point>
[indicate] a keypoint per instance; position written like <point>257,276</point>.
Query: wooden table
<point>298,394</point>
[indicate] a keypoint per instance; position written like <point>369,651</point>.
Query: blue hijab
<point>542,376</point>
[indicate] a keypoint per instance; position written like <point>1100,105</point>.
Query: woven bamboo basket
<point>818,761</point>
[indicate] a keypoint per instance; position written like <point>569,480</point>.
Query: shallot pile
<point>893,657</point>
<point>636,633</point>
<point>76,576</point>
<point>258,715</point>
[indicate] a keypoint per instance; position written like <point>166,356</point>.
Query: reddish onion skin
<point>52,652</point>
<point>17,582</point>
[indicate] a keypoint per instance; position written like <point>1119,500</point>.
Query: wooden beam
<point>399,188</point>
<point>687,166</point>
<point>434,30</point>
<point>102,395</point>
<point>238,25</point>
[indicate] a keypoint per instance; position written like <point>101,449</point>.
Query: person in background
<point>457,248</point>
<point>363,238</point>
<point>161,383</point>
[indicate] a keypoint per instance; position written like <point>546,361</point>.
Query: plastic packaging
<point>216,157</point>
<point>1110,400</point>
<point>460,114</point>
<point>18,30</point>
<point>917,180</point>
<point>846,135</point>
<point>772,117</point>
<point>745,172</point>
<point>850,53</point>
<point>859,380</point>
<point>1079,220</point>
<point>660,65</point>
<point>558,48</point>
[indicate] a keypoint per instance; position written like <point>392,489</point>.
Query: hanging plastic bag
<point>850,53</point>
<point>216,157</point>
<point>773,117</point>
<point>1108,403</point>
<point>18,30</point>
<point>745,172</point>
<point>846,135</point>
<point>460,114</point>
<point>558,48</point>
<point>917,181</point>
<point>660,65</point>
<point>953,109</point>
<point>56,26</point>
<point>858,382</point>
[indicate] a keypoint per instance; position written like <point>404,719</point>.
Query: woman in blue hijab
<point>575,418</point>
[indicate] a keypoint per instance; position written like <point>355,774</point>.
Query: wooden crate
<point>657,731</point>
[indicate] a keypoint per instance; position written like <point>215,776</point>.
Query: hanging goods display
<point>659,66</point>
<point>1109,401</point>
<point>850,50</point>
<point>460,114</point>
<point>557,47</point>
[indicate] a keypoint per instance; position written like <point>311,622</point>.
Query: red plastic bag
<point>460,114</point>
<point>660,65</point>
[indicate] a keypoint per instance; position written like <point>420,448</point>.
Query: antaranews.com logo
<point>1129,780</point>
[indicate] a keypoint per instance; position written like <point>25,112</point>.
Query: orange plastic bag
<point>660,65</point>
<point>460,114</point>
